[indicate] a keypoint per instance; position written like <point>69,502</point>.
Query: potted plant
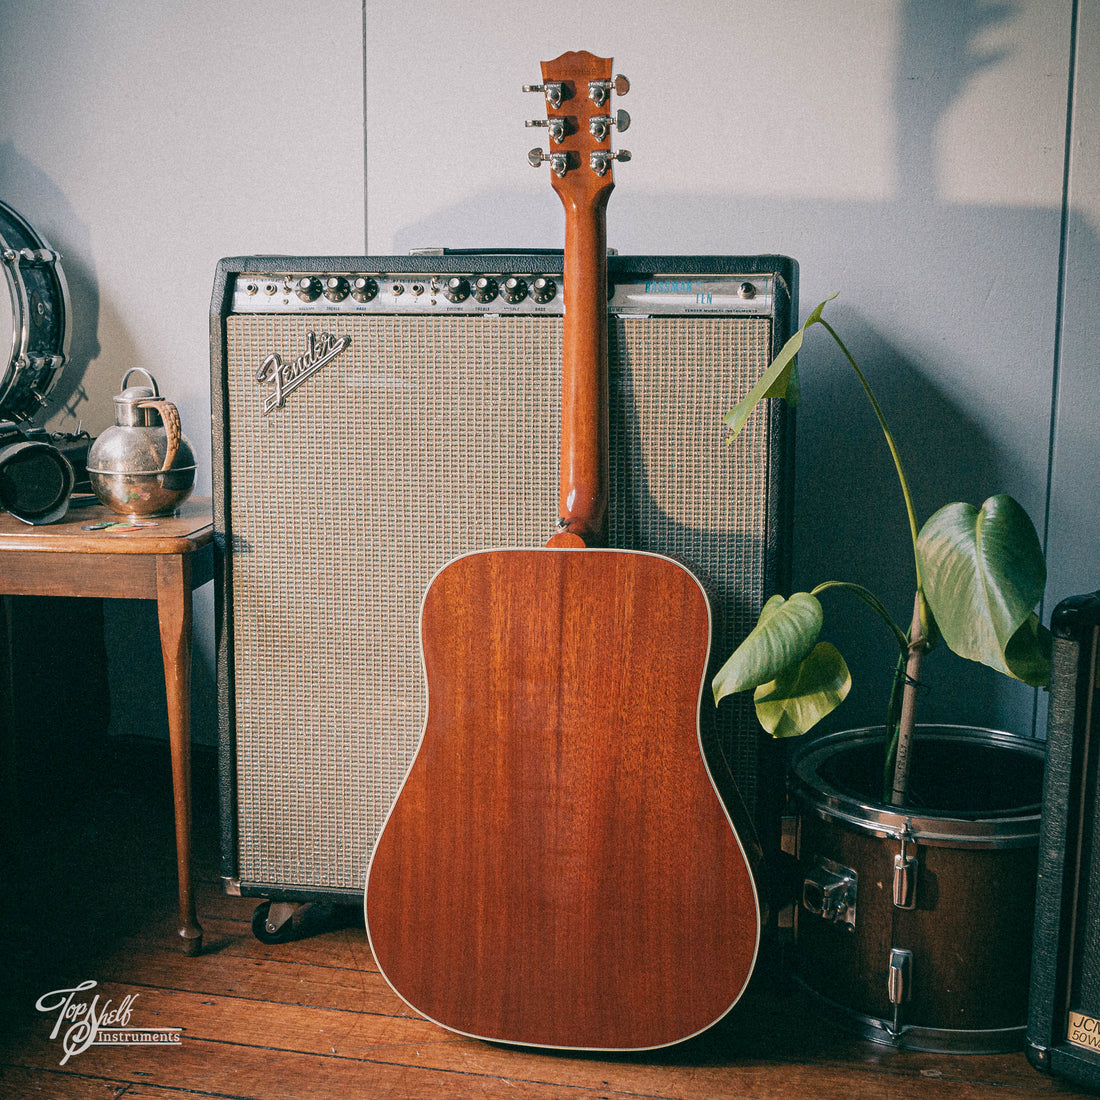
<point>942,826</point>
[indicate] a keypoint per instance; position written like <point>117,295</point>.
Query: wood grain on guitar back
<point>576,882</point>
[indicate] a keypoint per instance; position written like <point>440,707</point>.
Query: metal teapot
<point>144,465</point>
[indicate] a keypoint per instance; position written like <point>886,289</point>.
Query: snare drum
<point>914,925</point>
<point>34,318</point>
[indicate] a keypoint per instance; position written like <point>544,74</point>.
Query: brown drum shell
<point>969,930</point>
<point>970,957</point>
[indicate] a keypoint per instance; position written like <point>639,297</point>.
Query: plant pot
<point>914,924</point>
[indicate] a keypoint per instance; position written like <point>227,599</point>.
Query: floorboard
<point>89,892</point>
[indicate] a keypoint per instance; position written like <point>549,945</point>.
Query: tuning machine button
<point>543,289</point>
<point>559,162</point>
<point>599,90</point>
<point>514,289</point>
<point>456,289</point>
<point>485,289</point>
<point>558,127</point>
<point>554,90</point>
<point>600,159</point>
<point>308,288</point>
<point>599,126</point>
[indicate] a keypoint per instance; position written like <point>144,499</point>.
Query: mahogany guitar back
<point>576,881</point>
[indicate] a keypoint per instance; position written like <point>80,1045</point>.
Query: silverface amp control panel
<point>473,293</point>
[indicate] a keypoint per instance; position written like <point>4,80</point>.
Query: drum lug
<point>905,879</point>
<point>899,982</point>
<point>36,257</point>
<point>829,892</point>
<point>32,257</point>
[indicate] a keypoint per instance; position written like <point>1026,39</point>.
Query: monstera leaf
<point>983,574</point>
<point>779,380</point>
<point>783,635</point>
<point>797,682</point>
<point>797,700</point>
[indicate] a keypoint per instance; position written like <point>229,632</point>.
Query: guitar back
<point>558,869</point>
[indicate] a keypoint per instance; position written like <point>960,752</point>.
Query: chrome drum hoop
<point>1019,827</point>
<point>34,318</point>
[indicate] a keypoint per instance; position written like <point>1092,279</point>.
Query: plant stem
<point>893,718</point>
<point>900,739</point>
<point>894,453</point>
<point>872,601</point>
<point>900,788</point>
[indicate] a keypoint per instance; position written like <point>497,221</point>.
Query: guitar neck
<point>582,495</point>
<point>578,90</point>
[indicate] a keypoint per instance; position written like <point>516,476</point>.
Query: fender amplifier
<point>1063,1031</point>
<point>375,417</point>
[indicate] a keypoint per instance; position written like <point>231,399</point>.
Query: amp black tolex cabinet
<point>1063,1032</point>
<point>375,417</point>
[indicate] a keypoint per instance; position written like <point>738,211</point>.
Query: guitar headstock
<point>578,87</point>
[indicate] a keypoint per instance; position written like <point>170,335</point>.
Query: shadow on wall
<point>913,254</point>
<point>913,271</point>
<point>134,669</point>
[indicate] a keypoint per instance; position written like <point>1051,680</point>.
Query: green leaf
<point>983,574</point>
<point>779,380</point>
<point>795,702</point>
<point>783,635</point>
<point>1028,653</point>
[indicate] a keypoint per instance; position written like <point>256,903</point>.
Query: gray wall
<point>146,141</point>
<point>913,155</point>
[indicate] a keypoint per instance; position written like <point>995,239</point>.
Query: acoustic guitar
<point>558,868</point>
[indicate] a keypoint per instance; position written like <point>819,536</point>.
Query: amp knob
<point>485,289</point>
<point>336,288</point>
<point>363,289</point>
<point>457,289</point>
<point>308,288</point>
<point>514,290</point>
<point>543,290</point>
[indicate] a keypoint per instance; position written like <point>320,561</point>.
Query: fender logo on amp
<point>286,377</point>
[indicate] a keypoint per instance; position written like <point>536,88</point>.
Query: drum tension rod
<point>899,983</point>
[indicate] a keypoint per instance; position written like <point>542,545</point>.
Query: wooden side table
<point>163,563</point>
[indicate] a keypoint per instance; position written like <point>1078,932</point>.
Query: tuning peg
<point>600,125</point>
<point>559,162</point>
<point>554,90</point>
<point>598,90</point>
<point>600,159</point>
<point>556,126</point>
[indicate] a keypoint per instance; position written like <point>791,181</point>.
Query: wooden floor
<point>89,887</point>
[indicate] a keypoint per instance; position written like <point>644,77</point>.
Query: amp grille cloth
<point>429,437</point>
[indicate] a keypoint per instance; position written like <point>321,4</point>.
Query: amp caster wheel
<point>272,922</point>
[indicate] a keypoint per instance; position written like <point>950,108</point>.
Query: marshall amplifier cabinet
<point>375,417</point>
<point>1063,1032</point>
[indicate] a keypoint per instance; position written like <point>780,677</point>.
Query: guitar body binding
<point>577,882</point>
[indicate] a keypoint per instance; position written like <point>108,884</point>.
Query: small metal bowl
<point>151,494</point>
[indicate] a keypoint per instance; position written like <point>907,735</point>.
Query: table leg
<point>174,613</point>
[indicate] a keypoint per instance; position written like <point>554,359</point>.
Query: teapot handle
<point>141,370</point>
<point>171,417</point>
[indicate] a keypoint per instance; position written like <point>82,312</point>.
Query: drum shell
<point>33,353</point>
<point>970,926</point>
